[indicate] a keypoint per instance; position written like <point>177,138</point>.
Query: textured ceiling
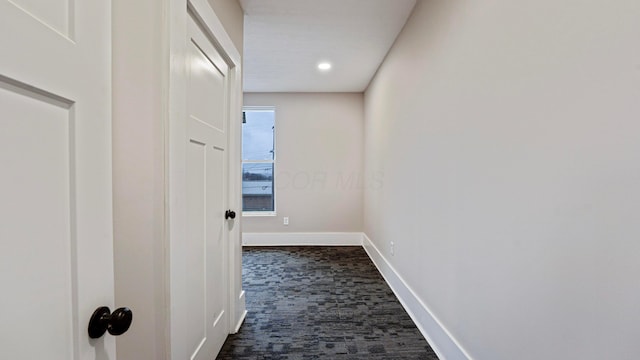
<point>284,40</point>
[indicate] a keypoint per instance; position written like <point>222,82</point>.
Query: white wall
<point>508,136</point>
<point>319,140</point>
<point>138,176</point>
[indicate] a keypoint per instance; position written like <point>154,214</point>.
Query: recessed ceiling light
<point>324,66</point>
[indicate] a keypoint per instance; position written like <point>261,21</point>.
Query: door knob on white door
<point>229,214</point>
<point>117,323</point>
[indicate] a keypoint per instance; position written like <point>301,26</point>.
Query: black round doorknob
<point>103,320</point>
<point>229,214</point>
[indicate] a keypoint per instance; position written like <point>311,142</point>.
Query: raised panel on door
<point>207,94</point>
<point>56,257</point>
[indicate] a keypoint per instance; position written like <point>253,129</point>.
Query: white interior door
<point>207,122</point>
<point>56,255</point>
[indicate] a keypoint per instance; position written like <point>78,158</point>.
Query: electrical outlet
<point>286,221</point>
<point>393,251</point>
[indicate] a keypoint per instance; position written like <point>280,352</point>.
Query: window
<point>258,161</point>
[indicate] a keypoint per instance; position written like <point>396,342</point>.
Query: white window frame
<point>275,154</point>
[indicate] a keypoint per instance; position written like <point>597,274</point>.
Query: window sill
<point>258,213</point>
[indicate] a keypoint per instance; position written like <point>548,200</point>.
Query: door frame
<point>177,13</point>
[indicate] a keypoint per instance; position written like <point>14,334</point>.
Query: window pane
<point>257,187</point>
<point>257,135</point>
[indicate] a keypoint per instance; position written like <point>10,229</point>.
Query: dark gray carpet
<point>321,303</point>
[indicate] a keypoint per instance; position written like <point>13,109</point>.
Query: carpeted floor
<point>321,303</point>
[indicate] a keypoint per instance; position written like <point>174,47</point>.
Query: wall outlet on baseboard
<point>285,221</point>
<point>391,247</point>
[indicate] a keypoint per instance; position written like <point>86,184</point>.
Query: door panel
<point>207,90</point>
<point>207,79</point>
<point>56,251</point>
<point>40,266</point>
<point>217,272</point>
<point>53,13</point>
<point>196,243</point>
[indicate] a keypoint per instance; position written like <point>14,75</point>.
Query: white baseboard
<point>241,312</point>
<point>303,239</point>
<point>440,339</point>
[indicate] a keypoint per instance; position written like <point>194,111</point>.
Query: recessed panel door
<point>56,251</point>
<point>206,244</point>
